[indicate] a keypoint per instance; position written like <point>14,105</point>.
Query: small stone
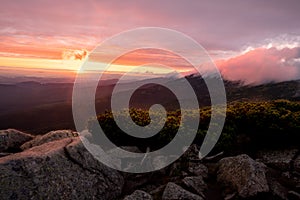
<point>174,191</point>
<point>279,159</point>
<point>277,190</point>
<point>139,195</point>
<point>196,183</point>
<point>230,196</point>
<point>191,152</point>
<point>198,169</point>
<point>297,164</point>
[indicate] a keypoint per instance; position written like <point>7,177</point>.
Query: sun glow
<point>40,63</point>
<point>74,66</point>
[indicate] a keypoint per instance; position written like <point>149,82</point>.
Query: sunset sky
<point>255,41</point>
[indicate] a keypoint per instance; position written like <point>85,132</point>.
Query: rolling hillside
<point>38,108</point>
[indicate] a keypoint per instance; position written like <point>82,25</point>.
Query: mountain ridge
<point>43,107</point>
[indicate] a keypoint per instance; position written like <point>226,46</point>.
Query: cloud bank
<point>263,65</point>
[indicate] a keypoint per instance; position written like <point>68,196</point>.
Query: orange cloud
<point>148,56</point>
<point>74,54</point>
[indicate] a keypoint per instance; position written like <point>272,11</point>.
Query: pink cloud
<point>263,65</point>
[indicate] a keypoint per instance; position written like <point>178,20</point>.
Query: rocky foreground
<point>57,166</point>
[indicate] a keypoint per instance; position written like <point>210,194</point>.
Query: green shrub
<point>267,124</point>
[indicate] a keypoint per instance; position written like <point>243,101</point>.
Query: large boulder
<point>11,140</point>
<point>174,191</point>
<point>61,169</point>
<point>49,137</point>
<point>280,159</point>
<point>243,175</point>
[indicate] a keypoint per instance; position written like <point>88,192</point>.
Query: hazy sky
<point>227,29</point>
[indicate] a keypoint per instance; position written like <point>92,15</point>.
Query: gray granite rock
<point>174,191</point>
<point>49,137</point>
<point>243,175</point>
<point>5,154</point>
<point>280,159</point>
<point>198,169</point>
<point>12,139</point>
<point>60,169</point>
<point>277,190</point>
<point>191,152</point>
<point>297,164</point>
<point>196,183</point>
<point>139,195</point>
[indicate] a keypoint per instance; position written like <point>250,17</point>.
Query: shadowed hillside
<point>39,108</point>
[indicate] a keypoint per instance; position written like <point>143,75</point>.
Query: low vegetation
<point>249,125</point>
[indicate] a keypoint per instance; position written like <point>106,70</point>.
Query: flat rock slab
<point>51,171</point>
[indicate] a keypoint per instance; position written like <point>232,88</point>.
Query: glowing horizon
<point>45,36</point>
